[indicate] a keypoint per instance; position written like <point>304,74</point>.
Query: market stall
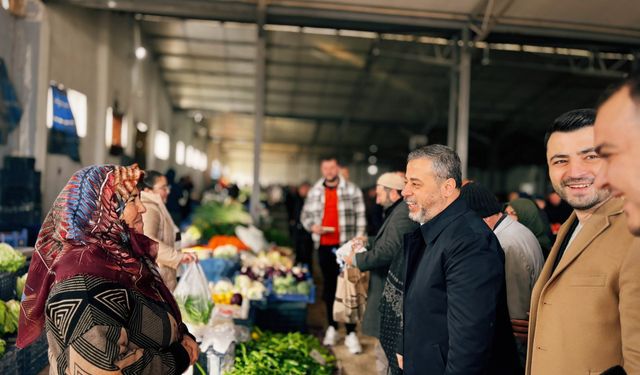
<point>13,276</point>
<point>246,299</point>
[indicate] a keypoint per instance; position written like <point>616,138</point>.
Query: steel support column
<point>453,96</point>
<point>261,62</point>
<point>462,137</point>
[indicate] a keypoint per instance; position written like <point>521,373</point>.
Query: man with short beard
<point>333,213</point>
<point>585,307</point>
<point>617,134</point>
<point>455,314</point>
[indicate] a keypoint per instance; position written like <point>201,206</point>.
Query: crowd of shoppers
<point>460,283</point>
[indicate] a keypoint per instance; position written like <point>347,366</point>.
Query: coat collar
<point>394,208</point>
<point>431,229</point>
<point>341,185</point>
<point>150,197</point>
<point>599,221</point>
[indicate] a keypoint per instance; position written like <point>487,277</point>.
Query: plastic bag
<point>193,297</point>
<point>351,295</point>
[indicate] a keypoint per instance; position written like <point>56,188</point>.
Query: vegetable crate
<point>273,297</point>
<point>15,238</point>
<point>216,268</point>
<point>34,357</point>
<point>283,317</point>
<point>9,364</point>
<point>8,284</point>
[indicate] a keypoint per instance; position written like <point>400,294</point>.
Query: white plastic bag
<point>193,297</point>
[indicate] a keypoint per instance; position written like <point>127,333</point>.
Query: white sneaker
<point>330,337</point>
<point>353,344</point>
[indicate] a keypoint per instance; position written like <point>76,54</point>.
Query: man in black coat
<point>456,320</point>
<point>384,248</point>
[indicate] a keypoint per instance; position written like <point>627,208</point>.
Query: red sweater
<point>330,218</point>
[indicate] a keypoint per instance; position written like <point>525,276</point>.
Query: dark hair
<point>329,158</point>
<point>149,179</point>
<point>632,81</point>
<point>571,121</point>
<point>446,162</point>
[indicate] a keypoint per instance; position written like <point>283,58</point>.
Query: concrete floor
<point>348,364</point>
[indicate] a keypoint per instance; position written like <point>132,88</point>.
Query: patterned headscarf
<point>84,233</point>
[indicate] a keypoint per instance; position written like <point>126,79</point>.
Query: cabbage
<point>9,315</point>
<point>20,282</point>
<point>10,260</point>
<point>243,282</point>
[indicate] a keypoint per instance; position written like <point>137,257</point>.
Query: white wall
<point>24,49</point>
<point>92,52</point>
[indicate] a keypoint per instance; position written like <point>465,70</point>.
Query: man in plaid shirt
<point>334,213</point>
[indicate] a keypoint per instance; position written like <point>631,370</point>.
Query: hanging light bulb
<point>141,53</point>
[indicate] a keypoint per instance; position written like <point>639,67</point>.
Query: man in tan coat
<point>617,134</point>
<point>159,226</point>
<point>585,307</point>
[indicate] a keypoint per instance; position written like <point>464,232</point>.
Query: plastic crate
<point>9,362</point>
<point>16,238</point>
<point>7,285</point>
<point>216,268</point>
<point>283,317</point>
<point>273,297</point>
<point>34,357</point>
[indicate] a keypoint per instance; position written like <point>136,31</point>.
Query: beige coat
<point>159,226</point>
<point>585,316</point>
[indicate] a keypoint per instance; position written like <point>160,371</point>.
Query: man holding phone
<point>334,213</point>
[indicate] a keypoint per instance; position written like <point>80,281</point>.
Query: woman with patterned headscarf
<point>528,214</point>
<point>93,286</point>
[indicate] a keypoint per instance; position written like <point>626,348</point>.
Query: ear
<point>448,187</point>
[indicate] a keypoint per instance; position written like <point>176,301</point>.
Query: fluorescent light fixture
<point>49,121</point>
<point>108,131</point>
<point>180,149</point>
<point>189,156</point>
<point>124,133</point>
<point>161,145</point>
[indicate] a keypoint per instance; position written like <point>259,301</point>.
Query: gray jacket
<point>523,263</point>
<point>386,246</point>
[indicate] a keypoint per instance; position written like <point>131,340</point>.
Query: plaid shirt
<point>351,210</point>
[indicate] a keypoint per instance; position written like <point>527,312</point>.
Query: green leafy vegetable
<point>216,218</point>
<point>195,310</point>
<point>278,353</point>
<point>9,315</point>
<point>10,260</point>
<point>3,347</point>
<point>20,282</point>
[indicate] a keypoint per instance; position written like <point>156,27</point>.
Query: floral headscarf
<point>84,233</point>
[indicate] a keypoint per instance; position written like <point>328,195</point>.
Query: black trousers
<point>304,247</point>
<point>330,272</point>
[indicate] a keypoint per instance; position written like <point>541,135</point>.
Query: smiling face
<point>573,166</point>
<point>617,135</point>
<point>425,194</point>
<point>133,210</point>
